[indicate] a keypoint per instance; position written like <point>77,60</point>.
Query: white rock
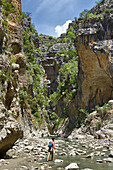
<point>72,166</point>
<point>99,160</point>
<point>108,160</point>
<point>102,154</point>
<point>58,161</point>
<point>34,168</point>
<point>25,167</point>
<point>97,153</point>
<point>42,167</point>
<point>63,154</point>
<point>110,102</point>
<point>15,66</point>
<point>72,153</point>
<point>111,154</point>
<point>29,147</point>
<point>90,155</point>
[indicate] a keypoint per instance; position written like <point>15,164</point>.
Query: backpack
<point>50,145</point>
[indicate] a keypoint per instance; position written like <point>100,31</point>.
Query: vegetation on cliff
<point>47,104</point>
<point>51,99</point>
<point>66,81</point>
<point>34,96</point>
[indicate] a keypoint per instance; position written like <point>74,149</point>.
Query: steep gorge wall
<point>94,45</point>
<point>95,50</point>
<point>12,73</point>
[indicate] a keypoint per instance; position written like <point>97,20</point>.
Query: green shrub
<point>91,15</point>
<point>84,13</point>
<point>107,10</point>
<point>7,6</point>
<point>102,110</point>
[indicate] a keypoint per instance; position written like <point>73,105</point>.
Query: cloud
<point>59,29</point>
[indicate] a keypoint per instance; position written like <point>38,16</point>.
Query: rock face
<point>10,131</point>
<point>94,44</point>
<point>12,71</point>
<point>52,63</point>
<point>95,50</point>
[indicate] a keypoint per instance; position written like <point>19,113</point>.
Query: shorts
<point>50,150</point>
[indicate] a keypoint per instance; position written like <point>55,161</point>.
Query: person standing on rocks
<point>51,149</point>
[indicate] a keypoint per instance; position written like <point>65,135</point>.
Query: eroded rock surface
<point>95,49</point>
<point>10,130</point>
<point>10,71</point>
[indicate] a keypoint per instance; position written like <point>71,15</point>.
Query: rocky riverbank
<point>30,154</point>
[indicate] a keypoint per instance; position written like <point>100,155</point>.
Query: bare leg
<point>52,155</point>
<point>48,156</point>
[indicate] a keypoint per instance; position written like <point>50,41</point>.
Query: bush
<point>102,110</point>
<point>107,10</point>
<point>84,13</point>
<point>91,15</point>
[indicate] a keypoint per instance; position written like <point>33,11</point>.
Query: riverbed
<point>31,154</point>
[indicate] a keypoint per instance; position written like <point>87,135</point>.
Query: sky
<point>51,17</point>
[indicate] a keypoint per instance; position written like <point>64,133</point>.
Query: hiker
<point>51,149</point>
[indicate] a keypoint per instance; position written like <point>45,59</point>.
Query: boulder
<point>10,131</point>
<point>110,102</point>
<point>108,160</point>
<point>72,166</point>
<point>111,154</point>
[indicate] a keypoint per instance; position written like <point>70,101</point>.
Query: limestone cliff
<point>41,77</point>
<point>95,50</point>
<point>12,71</point>
<point>51,63</point>
<point>94,45</point>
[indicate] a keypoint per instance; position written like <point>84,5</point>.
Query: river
<point>31,154</point>
<point>87,154</point>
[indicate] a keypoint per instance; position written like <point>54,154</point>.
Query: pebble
<point>25,167</point>
<point>99,160</point>
<point>58,161</point>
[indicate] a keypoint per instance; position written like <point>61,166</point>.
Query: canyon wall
<point>12,73</point>
<point>94,45</point>
<point>95,50</point>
